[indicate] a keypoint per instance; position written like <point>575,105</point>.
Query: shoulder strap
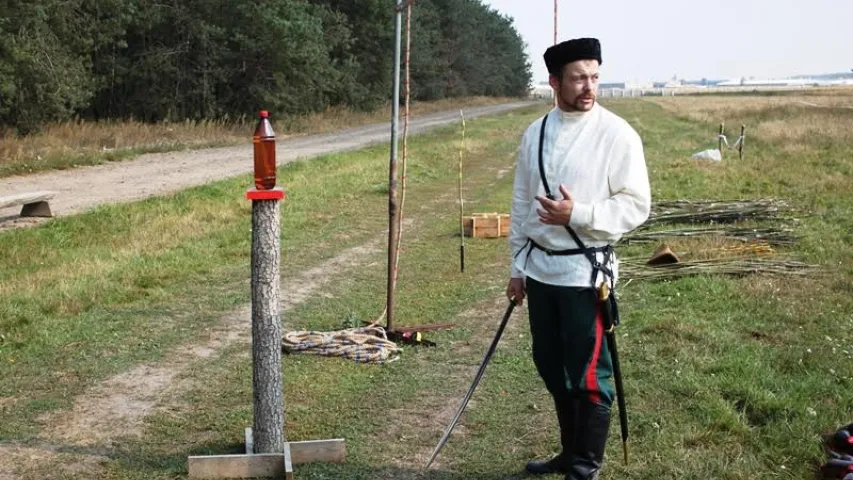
<point>588,253</point>
<point>545,181</point>
<point>541,163</point>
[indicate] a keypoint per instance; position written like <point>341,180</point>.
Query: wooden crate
<point>486,225</point>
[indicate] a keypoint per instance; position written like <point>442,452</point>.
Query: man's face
<point>576,89</point>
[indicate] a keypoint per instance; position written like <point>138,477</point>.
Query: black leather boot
<point>566,412</point>
<point>543,467</point>
<point>588,454</point>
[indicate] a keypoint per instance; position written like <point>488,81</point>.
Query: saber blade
<point>473,386</point>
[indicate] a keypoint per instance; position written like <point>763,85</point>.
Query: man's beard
<point>583,102</point>
<point>577,103</point>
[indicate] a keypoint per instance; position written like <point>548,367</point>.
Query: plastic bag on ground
<point>713,155</point>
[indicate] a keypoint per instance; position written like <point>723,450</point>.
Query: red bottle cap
<point>265,114</point>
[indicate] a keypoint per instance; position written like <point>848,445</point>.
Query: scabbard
<point>607,304</point>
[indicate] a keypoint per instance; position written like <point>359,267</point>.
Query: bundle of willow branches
<point>724,211</point>
<point>772,235</point>
<point>635,269</point>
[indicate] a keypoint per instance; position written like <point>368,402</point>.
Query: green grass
<point>727,378</point>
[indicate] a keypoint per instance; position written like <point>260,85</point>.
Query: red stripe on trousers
<point>591,372</point>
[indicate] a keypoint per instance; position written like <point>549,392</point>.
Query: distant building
<point>769,82</point>
<point>541,90</point>
<point>624,85</point>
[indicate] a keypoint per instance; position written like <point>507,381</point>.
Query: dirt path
<point>83,188</point>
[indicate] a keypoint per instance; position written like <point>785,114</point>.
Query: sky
<point>722,39</point>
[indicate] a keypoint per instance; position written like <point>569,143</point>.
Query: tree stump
<point>268,425</point>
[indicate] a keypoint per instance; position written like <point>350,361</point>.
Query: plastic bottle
<point>264,146</point>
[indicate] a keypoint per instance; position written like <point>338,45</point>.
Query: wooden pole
<point>720,138</point>
<point>461,207</point>
<point>268,424</point>
<point>392,175</point>
<point>742,140</point>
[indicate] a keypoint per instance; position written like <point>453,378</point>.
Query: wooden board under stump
<point>486,225</point>
<point>275,465</point>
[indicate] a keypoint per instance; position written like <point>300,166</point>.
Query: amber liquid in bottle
<point>264,146</point>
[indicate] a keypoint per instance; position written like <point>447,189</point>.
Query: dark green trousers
<point>569,348</point>
<point>571,355</point>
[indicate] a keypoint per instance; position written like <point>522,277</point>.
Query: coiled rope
<point>362,345</point>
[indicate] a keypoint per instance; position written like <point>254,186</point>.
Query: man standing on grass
<point>592,162</point>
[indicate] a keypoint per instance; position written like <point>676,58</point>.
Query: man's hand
<point>515,290</point>
<point>556,212</point>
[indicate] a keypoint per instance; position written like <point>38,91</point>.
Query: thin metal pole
<point>555,41</point>
<point>392,173</point>
<point>555,22</point>
<point>461,204</point>
<point>406,112</point>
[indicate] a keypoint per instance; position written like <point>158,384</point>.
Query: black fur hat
<point>571,50</point>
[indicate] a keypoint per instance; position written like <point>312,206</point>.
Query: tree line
<point>156,60</point>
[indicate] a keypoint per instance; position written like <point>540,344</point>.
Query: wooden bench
<point>34,204</point>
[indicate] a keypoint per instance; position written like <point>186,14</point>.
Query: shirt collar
<point>573,115</point>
